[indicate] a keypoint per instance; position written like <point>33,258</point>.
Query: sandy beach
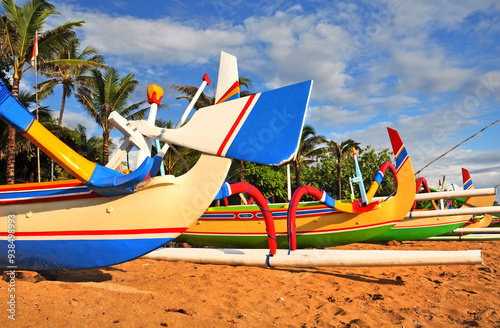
<point>150,293</point>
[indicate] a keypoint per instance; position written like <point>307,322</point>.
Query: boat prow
<point>71,225</point>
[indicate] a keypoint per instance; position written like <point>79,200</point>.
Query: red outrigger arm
<point>358,206</point>
<point>423,182</point>
<point>244,187</point>
<point>322,196</point>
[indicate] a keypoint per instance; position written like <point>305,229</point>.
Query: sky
<point>429,69</point>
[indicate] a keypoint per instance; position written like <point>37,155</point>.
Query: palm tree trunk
<point>105,150</point>
<point>11,142</point>
<point>339,178</point>
<point>63,103</point>
<point>297,174</point>
<point>181,158</point>
<point>242,177</point>
<point>242,171</point>
<point>11,155</point>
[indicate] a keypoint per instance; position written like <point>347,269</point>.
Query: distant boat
<point>421,228</point>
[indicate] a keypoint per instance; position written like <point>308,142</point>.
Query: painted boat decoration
<point>316,224</point>
<point>105,217</point>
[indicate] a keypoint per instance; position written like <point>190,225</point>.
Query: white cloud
<point>427,14</point>
<point>72,119</point>
<point>332,116</point>
<point>164,41</point>
<point>431,74</point>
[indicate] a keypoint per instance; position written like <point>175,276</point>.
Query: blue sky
<point>430,69</point>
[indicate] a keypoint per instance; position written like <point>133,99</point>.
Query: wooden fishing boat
<point>420,228</point>
<point>317,225</point>
<point>65,225</point>
<point>106,217</point>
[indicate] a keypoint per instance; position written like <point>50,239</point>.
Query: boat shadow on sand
<point>86,275</point>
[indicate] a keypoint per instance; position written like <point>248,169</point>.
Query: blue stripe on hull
<point>43,192</point>
<point>75,254</point>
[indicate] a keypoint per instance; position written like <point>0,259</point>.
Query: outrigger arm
<point>102,180</point>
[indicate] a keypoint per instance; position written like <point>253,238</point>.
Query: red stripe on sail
<point>236,123</point>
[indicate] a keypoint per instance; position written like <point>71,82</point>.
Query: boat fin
<point>228,85</point>
<point>263,128</point>
<point>468,185</point>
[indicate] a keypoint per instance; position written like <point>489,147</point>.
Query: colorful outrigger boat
<point>105,217</point>
<point>420,228</point>
<point>314,224</point>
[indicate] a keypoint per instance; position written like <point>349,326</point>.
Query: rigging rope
<point>416,173</point>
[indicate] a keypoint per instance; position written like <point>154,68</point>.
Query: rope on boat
<point>416,173</point>
<point>268,260</point>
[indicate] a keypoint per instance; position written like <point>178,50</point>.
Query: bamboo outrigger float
<point>105,217</point>
<point>306,258</point>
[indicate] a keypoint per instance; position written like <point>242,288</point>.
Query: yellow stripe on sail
<point>229,95</point>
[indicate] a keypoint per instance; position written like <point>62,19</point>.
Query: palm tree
<point>18,26</point>
<point>189,91</point>
<point>247,83</point>
<point>24,149</point>
<point>68,69</point>
<point>107,93</point>
<point>341,150</point>
<point>308,148</point>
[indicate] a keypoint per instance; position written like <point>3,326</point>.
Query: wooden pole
<point>449,194</point>
<point>36,102</point>
<point>457,211</point>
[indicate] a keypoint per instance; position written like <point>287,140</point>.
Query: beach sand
<point>150,293</point>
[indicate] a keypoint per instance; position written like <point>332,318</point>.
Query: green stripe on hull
<point>316,240</point>
<point>417,233</point>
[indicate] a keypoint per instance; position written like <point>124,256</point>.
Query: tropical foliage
<point>68,68</point>
<point>18,28</point>
<point>109,92</point>
<point>341,150</point>
<point>308,149</point>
